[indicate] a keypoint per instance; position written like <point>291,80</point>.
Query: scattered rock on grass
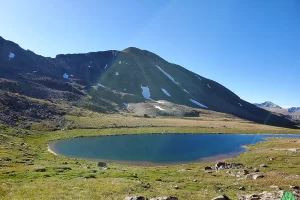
<point>207,168</point>
<point>242,188</point>
<point>223,197</point>
<point>255,170</point>
<point>90,176</point>
<point>40,170</point>
<point>275,187</point>
<point>257,176</point>
<point>101,164</point>
<point>294,187</point>
<point>164,198</point>
<point>263,165</point>
<point>135,198</point>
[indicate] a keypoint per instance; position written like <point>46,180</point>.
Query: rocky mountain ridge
<point>108,81</point>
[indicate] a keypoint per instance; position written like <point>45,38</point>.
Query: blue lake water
<point>159,148</point>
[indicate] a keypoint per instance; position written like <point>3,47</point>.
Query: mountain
<point>107,81</point>
<point>292,113</point>
<point>294,109</point>
<point>267,104</point>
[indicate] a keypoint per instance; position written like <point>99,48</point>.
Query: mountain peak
<point>294,109</point>
<point>267,104</point>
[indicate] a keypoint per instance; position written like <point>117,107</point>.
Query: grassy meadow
<point>29,171</point>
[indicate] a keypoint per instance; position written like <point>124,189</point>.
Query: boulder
<point>275,187</point>
<point>242,188</point>
<point>40,170</point>
<point>101,164</point>
<point>263,165</point>
<point>257,176</point>
<point>207,168</point>
<point>135,198</point>
<point>164,198</point>
<point>223,197</point>
<point>245,172</point>
<point>220,165</point>
<point>90,176</point>
<point>255,170</point>
<point>294,187</point>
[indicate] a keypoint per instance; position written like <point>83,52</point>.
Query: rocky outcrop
<point>224,165</point>
<point>267,196</point>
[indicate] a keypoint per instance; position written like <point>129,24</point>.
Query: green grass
<point>18,180</point>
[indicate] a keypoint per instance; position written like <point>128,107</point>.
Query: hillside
<point>110,80</point>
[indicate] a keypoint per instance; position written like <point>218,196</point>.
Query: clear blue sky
<point>250,46</point>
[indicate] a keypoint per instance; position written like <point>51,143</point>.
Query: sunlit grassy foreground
<point>80,179</point>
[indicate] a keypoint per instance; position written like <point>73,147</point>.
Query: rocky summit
<point>109,81</point>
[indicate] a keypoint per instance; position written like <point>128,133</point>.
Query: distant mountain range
<point>291,113</point>
<point>107,81</point>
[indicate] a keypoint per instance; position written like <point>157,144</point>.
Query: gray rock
<point>262,196</point>
<point>257,176</point>
<point>275,187</point>
<point>294,187</point>
<point>40,170</point>
<point>220,165</point>
<point>135,198</point>
<point>242,188</point>
<point>101,164</point>
<point>255,170</point>
<point>164,198</point>
<point>223,197</point>
<point>90,176</point>
<point>263,165</point>
<point>245,172</point>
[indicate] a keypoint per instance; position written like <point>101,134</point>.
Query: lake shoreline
<point>214,158</point>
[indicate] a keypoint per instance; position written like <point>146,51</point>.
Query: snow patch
<point>197,103</point>
<point>34,71</point>
<point>125,104</point>
<point>105,66</point>
<point>240,104</point>
<point>11,55</point>
<point>117,74</point>
<point>168,75</point>
<point>208,86</point>
<point>66,76</point>
<point>166,92</point>
<point>186,91</point>
<point>159,108</point>
<point>99,84</point>
<point>146,92</point>
<point>160,101</point>
<point>89,66</point>
<point>124,89</point>
<point>198,77</point>
<point>71,75</point>
<point>120,62</point>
